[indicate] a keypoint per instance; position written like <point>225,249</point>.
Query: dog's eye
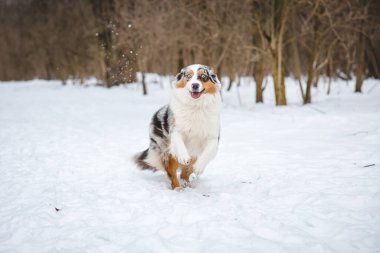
<point>188,76</point>
<point>204,78</point>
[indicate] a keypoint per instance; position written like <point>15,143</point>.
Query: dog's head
<point>198,80</point>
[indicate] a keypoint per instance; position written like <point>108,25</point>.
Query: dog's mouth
<point>196,94</point>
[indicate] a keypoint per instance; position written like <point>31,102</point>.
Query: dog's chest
<point>196,127</point>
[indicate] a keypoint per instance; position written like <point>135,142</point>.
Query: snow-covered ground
<point>286,179</point>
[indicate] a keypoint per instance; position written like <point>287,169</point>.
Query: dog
<point>185,133</point>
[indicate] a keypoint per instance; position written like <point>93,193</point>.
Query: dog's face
<point>198,80</point>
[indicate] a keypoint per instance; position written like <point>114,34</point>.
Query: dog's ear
<point>179,82</point>
<point>214,78</point>
<point>179,76</point>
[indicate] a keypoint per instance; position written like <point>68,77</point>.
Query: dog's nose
<point>195,86</point>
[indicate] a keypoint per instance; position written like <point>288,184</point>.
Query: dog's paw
<point>179,189</point>
<point>184,159</point>
<point>198,170</point>
<point>185,184</point>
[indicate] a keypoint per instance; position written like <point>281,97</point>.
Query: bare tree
<point>271,23</point>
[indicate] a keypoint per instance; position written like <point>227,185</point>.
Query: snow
<point>286,179</point>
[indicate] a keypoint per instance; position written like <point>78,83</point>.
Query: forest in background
<point>112,40</point>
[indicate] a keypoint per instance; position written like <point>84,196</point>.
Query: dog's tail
<point>141,160</point>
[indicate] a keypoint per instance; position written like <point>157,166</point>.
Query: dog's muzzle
<point>194,91</point>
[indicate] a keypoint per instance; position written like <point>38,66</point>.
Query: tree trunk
<point>329,71</point>
<point>279,79</point>
<point>360,63</point>
<point>258,75</point>
<point>145,91</point>
<point>310,76</point>
<point>279,15</point>
<point>259,65</point>
<point>229,83</point>
<point>296,59</point>
<point>312,67</point>
<point>316,77</point>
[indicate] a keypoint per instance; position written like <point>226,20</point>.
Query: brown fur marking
<point>209,86</point>
<point>181,83</point>
<point>190,72</point>
<point>185,173</point>
<point>171,168</point>
<point>187,170</point>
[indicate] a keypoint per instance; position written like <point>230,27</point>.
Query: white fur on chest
<point>196,128</point>
<point>197,124</point>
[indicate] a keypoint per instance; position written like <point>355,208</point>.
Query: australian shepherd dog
<point>185,133</point>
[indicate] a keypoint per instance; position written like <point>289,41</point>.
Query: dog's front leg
<point>178,148</point>
<point>206,156</point>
